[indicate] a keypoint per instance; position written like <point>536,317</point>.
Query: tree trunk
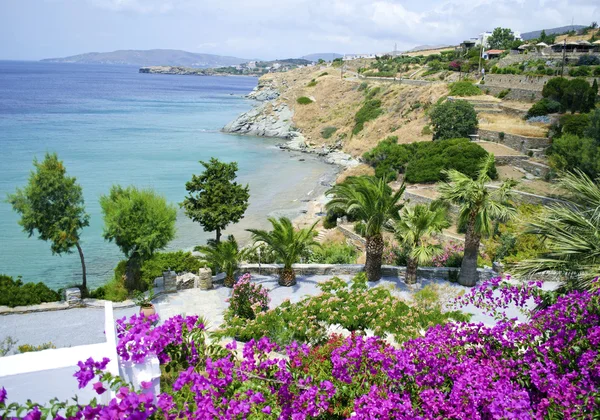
<point>84,274</point>
<point>287,277</point>
<point>218,235</point>
<point>374,254</point>
<point>132,273</point>
<point>411,271</point>
<point>229,281</point>
<point>468,270</point>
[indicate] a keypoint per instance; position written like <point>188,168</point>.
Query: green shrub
<point>312,83</point>
<point>114,290</point>
<point>360,228</point>
<point>303,100</point>
<point>574,124</point>
<point>16,293</point>
<point>583,71</point>
<point>544,106</point>
<point>330,219</point>
<point>597,71</point>
<point>261,254</point>
<point>453,119</point>
<point>333,253</point>
<point>426,130</point>
<point>363,86</point>
<point>247,299</point>
<point>502,94</point>
<point>425,161</point>
<point>570,152</point>
<point>371,93</point>
<point>575,95</point>
<point>369,111</point>
<point>380,74</point>
<point>178,261</point>
<point>28,348</point>
<point>464,89</point>
<point>323,74</point>
<point>354,306</point>
<point>327,132</point>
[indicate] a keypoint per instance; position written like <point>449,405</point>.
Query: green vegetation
<point>570,152</point>
<point>327,132</point>
<point>544,106</point>
<point>372,201</point>
<point>16,293</point>
<point>287,243</point>
<point>368,112</point>
<point>423,162</point>
<point>479,207</point>
<point>51,205</point>
<point>570,231</point>
<point>510,243</point>
<point>414,231</point>
<point>303,100</point>
<point>323,74</point>
<point>312,83</point>
<point>140,222</point>
<point>350,305</point>
<point>28,348</point>
<point>575,95</point>
<point>576,124</point>
<point>223,256</point>
<point>501,39</point>
<point>214,198</point>
<point>363,86</point>
<point>453,119</point>
<point>464,88</point>
<point>333,253</point>
<point>502,94</point>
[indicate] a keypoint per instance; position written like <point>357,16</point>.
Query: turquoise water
<point>112,125</point>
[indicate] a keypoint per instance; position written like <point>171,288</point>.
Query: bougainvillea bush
<point>545,368</point>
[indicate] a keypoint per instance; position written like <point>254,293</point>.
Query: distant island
<point>152,58</point>
<point>251,68</point>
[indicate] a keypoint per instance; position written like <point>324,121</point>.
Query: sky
<point>267,29</point>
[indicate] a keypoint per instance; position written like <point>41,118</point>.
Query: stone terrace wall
<point>521,95</point>
<point>411,82</point>
<point>522,87</point>
<point>516,142</point>
<point>427,273</point>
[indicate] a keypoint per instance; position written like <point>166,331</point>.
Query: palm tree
<point>478,208</point>
<point>572,234</point>
<point>225,256</point>
<point>287,243</point>
<point>416,225</point>
<point>373,202</point>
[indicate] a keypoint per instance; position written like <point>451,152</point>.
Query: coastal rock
<point>266,120</point>
<point>186,281</point>
<point>265,91</point>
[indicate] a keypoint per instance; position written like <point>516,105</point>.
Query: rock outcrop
<point>274,118</point>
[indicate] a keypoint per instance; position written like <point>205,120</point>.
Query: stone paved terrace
<point>85,325</point>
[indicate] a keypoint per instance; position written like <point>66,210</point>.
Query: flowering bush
<point>545,368</point>
<point>451,256</point>
<point>247,299</point>
<point>355,307</point>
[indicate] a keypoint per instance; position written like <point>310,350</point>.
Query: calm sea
<point>112,125</point>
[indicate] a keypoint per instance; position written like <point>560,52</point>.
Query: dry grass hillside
<point>337,100</point>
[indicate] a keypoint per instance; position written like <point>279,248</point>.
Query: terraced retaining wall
<point>425,273</point>
<point>514,141</point>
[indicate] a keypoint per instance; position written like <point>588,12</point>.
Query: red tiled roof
<point>495,51</point>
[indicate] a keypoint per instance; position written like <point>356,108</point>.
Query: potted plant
<point>144,301</point>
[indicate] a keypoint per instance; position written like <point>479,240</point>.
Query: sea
<point>112,125</point>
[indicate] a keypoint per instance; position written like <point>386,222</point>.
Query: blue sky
<point>35,29</point>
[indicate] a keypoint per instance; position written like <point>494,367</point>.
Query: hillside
<point>152,58</point>
<point>321,56</point>
<point>563,29</point>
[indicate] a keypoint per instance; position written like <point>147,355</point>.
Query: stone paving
<point>86,325</point>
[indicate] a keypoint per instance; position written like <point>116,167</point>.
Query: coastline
<point>273,118</point>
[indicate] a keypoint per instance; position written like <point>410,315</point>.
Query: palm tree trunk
<point>229,281</point>
<point>218,235</point>
<point>468,269</point>
<point>411,271</point>
<point>287,277</point>
<point>374,254</point>
<point>84,274</point>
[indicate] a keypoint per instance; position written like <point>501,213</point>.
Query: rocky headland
<point>273,117</point>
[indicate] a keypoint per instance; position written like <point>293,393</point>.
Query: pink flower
<point>99,388</point>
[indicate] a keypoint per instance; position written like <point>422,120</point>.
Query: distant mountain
<point>321,56</point>
<point>152,58</point>
<point>563,29</point>
<point>427,47</point>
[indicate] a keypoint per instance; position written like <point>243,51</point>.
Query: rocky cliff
<point>273,117</point>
